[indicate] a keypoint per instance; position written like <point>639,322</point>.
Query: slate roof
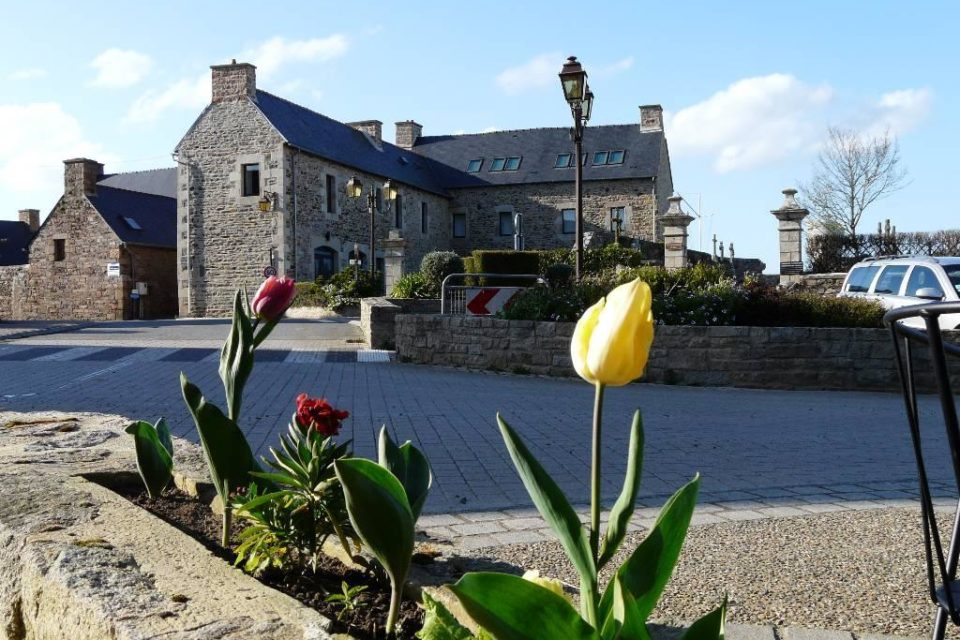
<point>159,182</point>
<point>156,215</point>
<point>328,138</point>
<point>14,238</point>
<point>539,149</point>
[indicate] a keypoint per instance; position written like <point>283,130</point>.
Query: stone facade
<point>11,291</point>
<point>760,357</point>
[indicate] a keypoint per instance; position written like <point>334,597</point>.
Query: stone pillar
<point>791,215</point>
<point>393,249</point>
<point>407,133</point>
<point>675,223</point>
<point>31,218</point>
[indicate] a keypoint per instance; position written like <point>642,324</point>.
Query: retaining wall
<point>763,357</point>
<point>377,317</point>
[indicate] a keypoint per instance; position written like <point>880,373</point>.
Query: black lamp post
<point>355,190</point>
<point>573,79</point>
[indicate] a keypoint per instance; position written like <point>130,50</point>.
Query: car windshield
<point>953,272</point>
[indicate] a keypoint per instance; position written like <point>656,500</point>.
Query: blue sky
<point>749,87</point>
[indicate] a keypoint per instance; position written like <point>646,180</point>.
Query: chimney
<point>373,128</point>
<point>407,133</point>
<point>80,177</point>
<point>234,81</point>
<point>31,218</point>
<point>651,118</point>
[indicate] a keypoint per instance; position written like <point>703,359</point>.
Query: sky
<point>748,88</point>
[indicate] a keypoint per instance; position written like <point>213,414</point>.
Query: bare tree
<point>852,172</point>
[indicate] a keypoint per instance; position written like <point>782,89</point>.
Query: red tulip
<point>317,414</point>
<point>273,297</point>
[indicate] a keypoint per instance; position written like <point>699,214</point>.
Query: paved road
<point>747,444</point>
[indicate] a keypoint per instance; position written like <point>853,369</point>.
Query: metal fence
<point>454,298</point>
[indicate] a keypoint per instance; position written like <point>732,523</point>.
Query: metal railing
<point>453,298</point>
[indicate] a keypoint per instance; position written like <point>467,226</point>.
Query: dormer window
<point>474,165</point>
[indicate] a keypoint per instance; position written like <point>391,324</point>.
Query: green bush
<point>413,285</point>
<point>437,265</point>
<point>559,275</point>
<point>491,261</point>
<point>340,290</point>
<point>308,295</point>
<point>763,305</point>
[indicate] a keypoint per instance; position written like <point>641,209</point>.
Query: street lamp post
<point>573,79</point>
<point>355,190</point>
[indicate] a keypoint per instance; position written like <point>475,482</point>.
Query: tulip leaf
<point>646,572</point>
<point>553,506</point>
<point>623,507</point>
<point>225,448</point>
<point>265,330</point>
<point>154,454</point>
<point>512,608</point>
<point>440,624</point>
<point>709,627</point>
<point>379,512</point>
<point>626,623</point>
<point>236,356</point>
<point>410,467</point>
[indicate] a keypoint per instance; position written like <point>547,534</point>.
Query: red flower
<point>273,297</point>
<point>316,413</point>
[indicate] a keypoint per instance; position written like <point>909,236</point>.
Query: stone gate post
<point>791,215</point>
<point>675,222</point>
<point>393,249</point>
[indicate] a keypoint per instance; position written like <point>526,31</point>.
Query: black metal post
<point>372,207</point>
<point>578,145</point>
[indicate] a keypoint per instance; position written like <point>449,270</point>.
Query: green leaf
<point>379,512</point>
<point>512,608</point>
<point>163,434</point>
<point>154,461</point>
<point>410,467</point>
<point>626,623</point>
<point>552,505</point>
<point>440,624</point>
<point>710,626</point>
<point>265,330</point>
<point>623,507</point>
<point>225,448</point>
<point>646,572</point>
<point>236,356</point>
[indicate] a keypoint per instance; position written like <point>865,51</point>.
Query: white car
<point>899,282</point>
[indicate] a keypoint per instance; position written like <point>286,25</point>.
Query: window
<point>324,262</point>
<point>379,197</point>
<point>251,180</point>
<point>497,164</point>
<point>617,218</point>
<point>459,225</point>
<point>133,224</point>
<point>600,157</point>
<point>59,250</point>
<point>615,157</point>
<point>564,160</point>
<point>921,278</point>
<point>860,279</point>
<point>474,165</point>
<point>506,223</point>
<point>331,193</point>
<point>569,217</point>
<point>513,163</point>
<point>398,212</point>
<point>890,279</point>
<point>423,218</point>
<point>953,272</point>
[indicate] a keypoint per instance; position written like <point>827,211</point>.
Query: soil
<point>365,620</point>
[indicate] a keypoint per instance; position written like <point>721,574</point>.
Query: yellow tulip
<point>612,339</point>
<point>551,584</point>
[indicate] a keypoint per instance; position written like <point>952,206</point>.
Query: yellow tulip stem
<point>595,474</point>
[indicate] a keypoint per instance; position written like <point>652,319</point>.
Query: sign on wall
<point>113,269</point>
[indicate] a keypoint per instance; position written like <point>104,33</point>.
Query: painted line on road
<point>70,354</point>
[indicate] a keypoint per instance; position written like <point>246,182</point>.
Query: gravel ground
<point>860,571</point>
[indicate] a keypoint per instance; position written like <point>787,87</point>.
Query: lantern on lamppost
<point>354,189</point>
<point>573,80</point>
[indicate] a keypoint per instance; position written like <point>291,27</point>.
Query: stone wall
<point>541,205</point>
<point>825,284</point>
<point>762,357</point>
<point>378,317</point>
<point>11,288</point>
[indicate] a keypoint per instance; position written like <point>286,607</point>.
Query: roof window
<point>133,224</point>
<point>608,157</point>
<point>615,157</point>
<point>563,161</point>
<point>600,157</point>
<point>510,163</point>
<point>474,165</point>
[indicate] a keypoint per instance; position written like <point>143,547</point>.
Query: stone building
<point>261,183</point>
<point>15,237</point>
<point>107,236</point>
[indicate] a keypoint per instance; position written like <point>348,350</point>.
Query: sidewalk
<point>13,330</point>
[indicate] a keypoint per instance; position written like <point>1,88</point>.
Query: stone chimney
<point>234,81</point>
<point>651,117</point>
<point>407,133</point>
<point>791,215</point>
<point>80,177</point>
<point>31,218</point>
<point>373,128</point>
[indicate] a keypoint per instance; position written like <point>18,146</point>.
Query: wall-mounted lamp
<point>268,201</point>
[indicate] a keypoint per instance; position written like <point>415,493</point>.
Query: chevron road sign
<point>489,300</point>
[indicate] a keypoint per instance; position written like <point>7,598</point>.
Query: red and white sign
<point>488,300</point>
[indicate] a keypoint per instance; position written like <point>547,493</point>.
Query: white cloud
<point>118,68</point>
<point>31,73</point>
<point>900,111</point>
<point>184,94</point>
<point>271,55</point>
<point>35,139</point>
<point>539,72</point>
<point>617,67</point>
<point>751,122</point>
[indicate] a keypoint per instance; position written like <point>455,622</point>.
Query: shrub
<point>766,306</point>
<point>559,275</point>
<point>342,289</point>
<point>308,295</point>
<point>413,285</point>
<point>437,265</point>
<point>485,261</point>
